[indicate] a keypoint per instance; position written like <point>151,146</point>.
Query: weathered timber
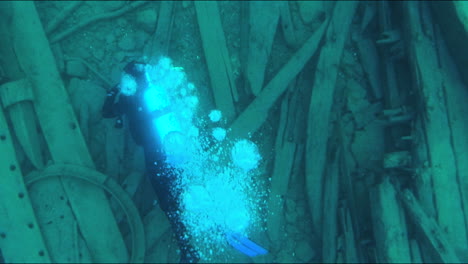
<point>284,158</point>
<point>21,240</point>
<point>59,251</point>
<point>456,96</point>
<point>430,86</point>
<point>264,18</point>
<point>287,25</point>
<point>428,228</point>
<point>415,252</point>
<point>330,211</point>
<point>452,17</point>
<point>17,100</point>
<point>257,111</point>
<point>350,246</point>
<point>217,58</point>
<point>62,134</point>
<point>370,61</point>
<point>159,42</point>
<point>321,103</point>
<point>90,176</point>
<point>155,224</point>
<point>388,222</point>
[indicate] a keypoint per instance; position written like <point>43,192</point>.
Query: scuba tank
<point>162,98</point>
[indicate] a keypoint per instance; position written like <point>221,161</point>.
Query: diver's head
<point>128,85</point>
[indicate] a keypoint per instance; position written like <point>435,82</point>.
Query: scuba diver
<point>127,98</point>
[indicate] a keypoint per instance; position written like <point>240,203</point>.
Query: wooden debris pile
<point>359,109</point>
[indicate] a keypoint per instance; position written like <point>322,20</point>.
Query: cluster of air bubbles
<point>218,182</point>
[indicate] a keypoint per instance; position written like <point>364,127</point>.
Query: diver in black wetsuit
<point>126,98</point>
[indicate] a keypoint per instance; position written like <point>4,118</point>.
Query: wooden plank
<point>352,213</point>
<point>452,17</point>
<point>392,95</point>
<point>24,124</point>
<point>428,228</point>
<point>423,177</point>
<point>56,220</point>
<point>63,250</point>
<point>20,237</point>
<point>350,250</point>
<point>91,176</point>
<point>15,92</point>
<point>330,207</point>
<point>415,252</point>
<point>130,185</point>
<point>264,18</point>
<point>389,226</point>
<point>430,85</point>
<point>257,112</point>
<point>284,151</point>
<point>340,254</point>
<point>217,57</point>
<point>17,97</point>
<point>321,103</point>
<point>287,25</point>
<point>156,224</point>
<point>284,158</point>
<point>164,251</point>
<point>159,43</point>
<point>456,95</point>
<point>60,129</point>
<point>244,44</point>
<point>369,58</point>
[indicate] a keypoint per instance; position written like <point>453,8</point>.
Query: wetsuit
<point>143,132</point>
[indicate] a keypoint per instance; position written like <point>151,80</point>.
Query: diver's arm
<point>111,108</point>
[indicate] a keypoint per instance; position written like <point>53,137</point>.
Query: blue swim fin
<point>245,245</point>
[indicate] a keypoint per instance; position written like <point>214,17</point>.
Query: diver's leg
<point>162,180</point>
<point>168,203</point>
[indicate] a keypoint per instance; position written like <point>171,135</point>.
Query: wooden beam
<point>456,96</point>
<point>17,99</point>
<point>452,17</point>
<point>156,224</point>
<point>289,32</point>
<point>430,85</point>
<point>415,252</point>
<point>330,214</point>
<point>390,232</point>
<point>21,240</point>
<point>257,111</point>
<point>217,58</point>
<point>159,42</point>
<point>264,18</point>
<point>65,250</point>
<point>62,134</point>
<point>428,228</point>
<point>321,103</point>
<point>350,245</point>
<point>284,158</point>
